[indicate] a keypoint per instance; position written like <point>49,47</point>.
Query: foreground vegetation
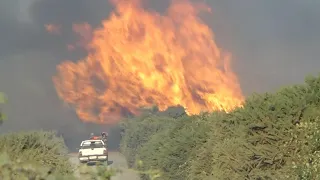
<point>40,155</point>
<point>273,136</point>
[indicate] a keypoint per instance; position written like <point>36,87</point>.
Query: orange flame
<point>140,58</point>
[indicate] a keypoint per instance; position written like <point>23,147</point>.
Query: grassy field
<point>273,136</point>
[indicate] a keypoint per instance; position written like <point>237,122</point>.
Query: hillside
<point>273,136</point>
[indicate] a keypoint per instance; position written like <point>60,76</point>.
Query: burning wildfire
<point>140,58</point>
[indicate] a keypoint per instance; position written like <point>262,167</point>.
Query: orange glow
<point>53,29</point>
<point>85,32</point>
<point>140,58</point>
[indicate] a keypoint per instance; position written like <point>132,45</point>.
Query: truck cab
<point>93,151</point>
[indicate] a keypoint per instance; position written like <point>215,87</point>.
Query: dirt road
<point>117,161</point>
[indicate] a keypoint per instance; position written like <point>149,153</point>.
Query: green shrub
<point>306,163</point>
<point>39,147</point>
<point>42,155</point>
<point>12,170</point>
<point>3,100</point>
<point>24,170</point>
<point>138,131</point>
<point>172,149</point>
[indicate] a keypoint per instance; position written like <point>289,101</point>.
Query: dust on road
<point>116,161</point>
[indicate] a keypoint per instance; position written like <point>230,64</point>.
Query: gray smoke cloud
<point>274,43</point>
<point>28,58</point>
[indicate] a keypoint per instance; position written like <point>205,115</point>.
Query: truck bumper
<point>93,158</point>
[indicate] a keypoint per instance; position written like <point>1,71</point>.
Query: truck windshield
<point>92,145</point>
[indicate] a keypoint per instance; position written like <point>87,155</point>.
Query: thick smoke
<point>273,44</point>
<point>28,57</point>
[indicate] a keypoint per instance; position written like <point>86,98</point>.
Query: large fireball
<point>140,58</point>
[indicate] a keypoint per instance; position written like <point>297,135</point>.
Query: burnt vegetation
<point>273,136</point>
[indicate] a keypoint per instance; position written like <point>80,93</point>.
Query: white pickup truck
<point>93,151</point>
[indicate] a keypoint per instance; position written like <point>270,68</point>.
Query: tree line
<point>273,136</point>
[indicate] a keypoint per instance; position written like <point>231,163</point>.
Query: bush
<point>3,100</point>
<point>138,131</point>
<point>27,171</point>
<point>39,147</point>
<point>273,136</point>
<point>24,170</point>
<point>41,155</point>
<point>172,149</point>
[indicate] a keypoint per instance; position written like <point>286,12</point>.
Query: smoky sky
<point>273,44</point>
<point>28,59</point>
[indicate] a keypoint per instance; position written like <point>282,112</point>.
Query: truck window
<point>90,145</point>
